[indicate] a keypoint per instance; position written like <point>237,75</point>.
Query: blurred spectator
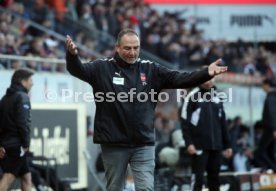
<point>31,64</point>
<point>163,127</point>
<point>36,47</point>
<point>20,10</point>
<point>112,17</point>
<point>86,16</point>
<point>212,55</point>
<point>98,13</point>
<point>241,160</point>
<point>40,13</point>
<point>2,43</point>
<point>234,132</point>
<point>11,45</point>
<point>243,155</point>
<point>258,132</point>
<point>16,64</point>
<point>249,65</point>
<point>4,27</point>
<point>59,6</point>
<point>71,10</point>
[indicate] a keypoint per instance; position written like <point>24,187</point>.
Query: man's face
<point>28,83</point>
<point>129,48</point>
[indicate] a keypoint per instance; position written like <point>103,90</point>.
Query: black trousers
<point>210,162</point>
<point>264,155</point>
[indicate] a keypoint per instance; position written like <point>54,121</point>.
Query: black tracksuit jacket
<point>269,112</point>
<point>204,122</point>
<point>128,123</point>
<point>15,117</point>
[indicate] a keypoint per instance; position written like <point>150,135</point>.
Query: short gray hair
<point>124,32</point>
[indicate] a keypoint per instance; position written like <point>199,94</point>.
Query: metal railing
<point>35,59</point>
<point>7,60</point>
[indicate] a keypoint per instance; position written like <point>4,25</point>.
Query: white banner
<point>230,22</point>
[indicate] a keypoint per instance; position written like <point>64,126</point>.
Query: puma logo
<point>118,74</point>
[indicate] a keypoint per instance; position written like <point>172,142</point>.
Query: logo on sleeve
<point>26,106</point>
<point>143,79</point>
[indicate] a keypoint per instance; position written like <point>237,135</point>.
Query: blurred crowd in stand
<point>170,36</point>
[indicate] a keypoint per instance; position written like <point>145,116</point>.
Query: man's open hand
<point>214,69</point>
<point>191,149</point>
<point>70,45</point>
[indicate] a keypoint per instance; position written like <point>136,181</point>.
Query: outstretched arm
<point>169,79</point>
<point>74,65</point>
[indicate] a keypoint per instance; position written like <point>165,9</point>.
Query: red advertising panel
<point>208,2</point>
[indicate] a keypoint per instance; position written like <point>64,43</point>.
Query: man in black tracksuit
<point>124,126</point>
<point>205,134</point>
<point>15,130</point>
<point>265,153</point>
